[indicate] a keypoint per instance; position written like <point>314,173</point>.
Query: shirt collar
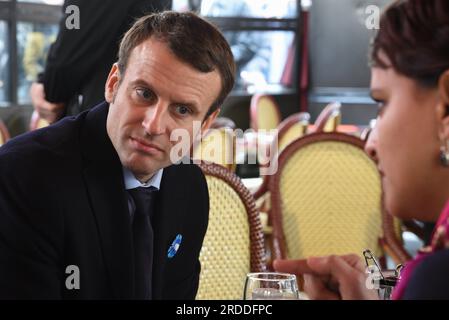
<point>131,182</point>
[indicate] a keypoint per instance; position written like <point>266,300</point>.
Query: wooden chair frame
<point>254,109</point>
<point>390,243</point>
<point>257,249</point>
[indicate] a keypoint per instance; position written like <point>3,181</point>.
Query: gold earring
<point>444,154</point>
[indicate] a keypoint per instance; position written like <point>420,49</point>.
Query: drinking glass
<point>271,286</point>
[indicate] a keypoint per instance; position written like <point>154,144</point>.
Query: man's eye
<point>183,110</point>
<point>144,93</point>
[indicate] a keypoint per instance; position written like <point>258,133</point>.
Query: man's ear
<point>112,84</point>
<point>209,120</point>
<point>443,106</point>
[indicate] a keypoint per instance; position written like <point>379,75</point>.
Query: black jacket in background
<point>79,61</point>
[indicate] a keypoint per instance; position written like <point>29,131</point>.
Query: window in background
<point>263,58</point>
<point>51,2</point>
<point>33,43</point>
<point>27,29</point>
<point>180,5</point>
<point>279,9</point>
<point>262,36</point>
<point>4,61</point>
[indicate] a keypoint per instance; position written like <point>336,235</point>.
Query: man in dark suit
<point>71,224</point>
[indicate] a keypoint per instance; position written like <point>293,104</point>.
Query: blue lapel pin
<point>174,246</point>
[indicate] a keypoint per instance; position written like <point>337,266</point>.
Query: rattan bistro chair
<point>4,134</point>
<point>326,199</point>
<point>233,245</point>
<point>264,112</point>
<point>329,118</point>
<point>218,146</point>
<point>292,128</point>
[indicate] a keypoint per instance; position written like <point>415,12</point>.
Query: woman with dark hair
<point>410,82</point>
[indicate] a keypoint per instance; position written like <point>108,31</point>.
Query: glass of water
<point>271,286</point>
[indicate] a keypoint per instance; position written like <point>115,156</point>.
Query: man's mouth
<point>145,146</point>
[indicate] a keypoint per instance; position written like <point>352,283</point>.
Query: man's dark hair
<point>192,39</point>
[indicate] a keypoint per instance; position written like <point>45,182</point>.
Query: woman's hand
<point>51,112</point>
<point>331,277</point>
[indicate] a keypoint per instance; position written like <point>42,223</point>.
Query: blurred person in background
<point>79,61</point>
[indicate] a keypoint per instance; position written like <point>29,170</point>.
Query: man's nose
<point>155,122</point>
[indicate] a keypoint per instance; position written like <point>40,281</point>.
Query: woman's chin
<point>402,211</point>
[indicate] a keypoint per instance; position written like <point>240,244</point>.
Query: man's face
<point>157,94</point>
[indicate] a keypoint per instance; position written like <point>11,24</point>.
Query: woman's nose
<point>371,145</point>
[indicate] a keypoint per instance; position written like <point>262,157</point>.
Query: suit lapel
<point>104,180</point>
<point>166,226</point>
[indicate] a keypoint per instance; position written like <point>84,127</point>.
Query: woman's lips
<point>145,146</point>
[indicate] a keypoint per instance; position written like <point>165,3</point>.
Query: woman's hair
<point>414,36</point>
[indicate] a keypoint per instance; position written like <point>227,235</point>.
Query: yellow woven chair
<point>292,128</point>
<point>233,245</point>
<point>326,199</point>
<point>329,118</point>
<point>264,113</point>
<point>4,134</point>
<point>218,146</point>
<point>37,122</point>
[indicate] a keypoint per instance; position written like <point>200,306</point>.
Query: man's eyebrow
<point>141,83</point>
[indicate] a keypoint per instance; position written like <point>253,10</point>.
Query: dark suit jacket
<point>79,60</point>
<point>430,281</point>
<point>63,202</point>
